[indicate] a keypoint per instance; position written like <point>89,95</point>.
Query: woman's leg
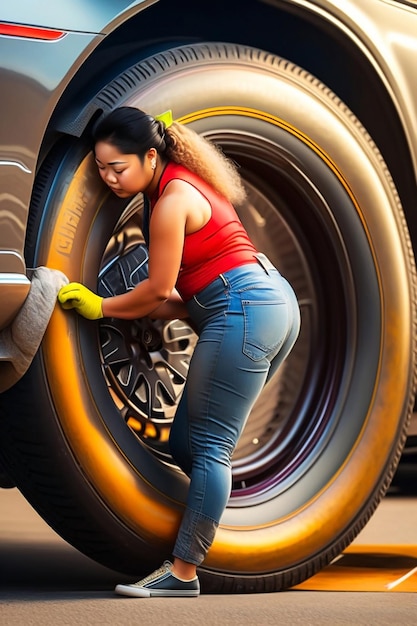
<point>223,384</point>
<point>217,411</point>
<point>179,438</point>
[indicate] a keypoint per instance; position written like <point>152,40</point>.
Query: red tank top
<point>221,245</point>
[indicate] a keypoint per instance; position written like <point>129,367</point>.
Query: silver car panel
<point>33,75</point>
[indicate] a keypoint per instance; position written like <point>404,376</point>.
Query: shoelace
<point>165,567</point>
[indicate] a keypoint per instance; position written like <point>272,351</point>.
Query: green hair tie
<point>166,118</point>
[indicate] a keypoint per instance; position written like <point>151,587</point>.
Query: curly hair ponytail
<point>188,148</point>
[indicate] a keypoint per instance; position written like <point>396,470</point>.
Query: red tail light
<point>30,32</point>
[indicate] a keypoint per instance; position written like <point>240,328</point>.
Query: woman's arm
<point>181,209</point>
<point>172,309</point>
<point>167,228</point>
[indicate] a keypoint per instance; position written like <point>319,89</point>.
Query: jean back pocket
<point>266,326</point>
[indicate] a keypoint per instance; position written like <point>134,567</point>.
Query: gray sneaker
<point>162,582</point>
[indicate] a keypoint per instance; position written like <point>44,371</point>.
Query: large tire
<point>85,431</point>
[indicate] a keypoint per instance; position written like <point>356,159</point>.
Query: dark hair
<point>131,130</point>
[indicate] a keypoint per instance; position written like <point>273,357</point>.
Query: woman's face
<point>124,173</point>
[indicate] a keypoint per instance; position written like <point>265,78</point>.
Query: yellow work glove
<point>85,302</point>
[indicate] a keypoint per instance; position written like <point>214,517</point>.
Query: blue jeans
<point>247,320</point>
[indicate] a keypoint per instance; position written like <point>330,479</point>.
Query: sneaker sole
<point>142,592</point>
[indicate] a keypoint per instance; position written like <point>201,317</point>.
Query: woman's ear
<point>152,154</point>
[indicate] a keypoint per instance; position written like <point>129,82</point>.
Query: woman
<point>202,266</point>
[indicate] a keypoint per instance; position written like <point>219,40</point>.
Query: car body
<point>317,102</point>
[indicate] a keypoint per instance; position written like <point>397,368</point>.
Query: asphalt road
<point>45,582</point>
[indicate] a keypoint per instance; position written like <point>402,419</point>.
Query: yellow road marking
<point>402,579</point>
<point>368,568</point>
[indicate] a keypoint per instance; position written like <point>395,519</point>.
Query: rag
<point>20,341</point>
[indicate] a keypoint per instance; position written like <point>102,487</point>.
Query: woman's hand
<point>85,302</point>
